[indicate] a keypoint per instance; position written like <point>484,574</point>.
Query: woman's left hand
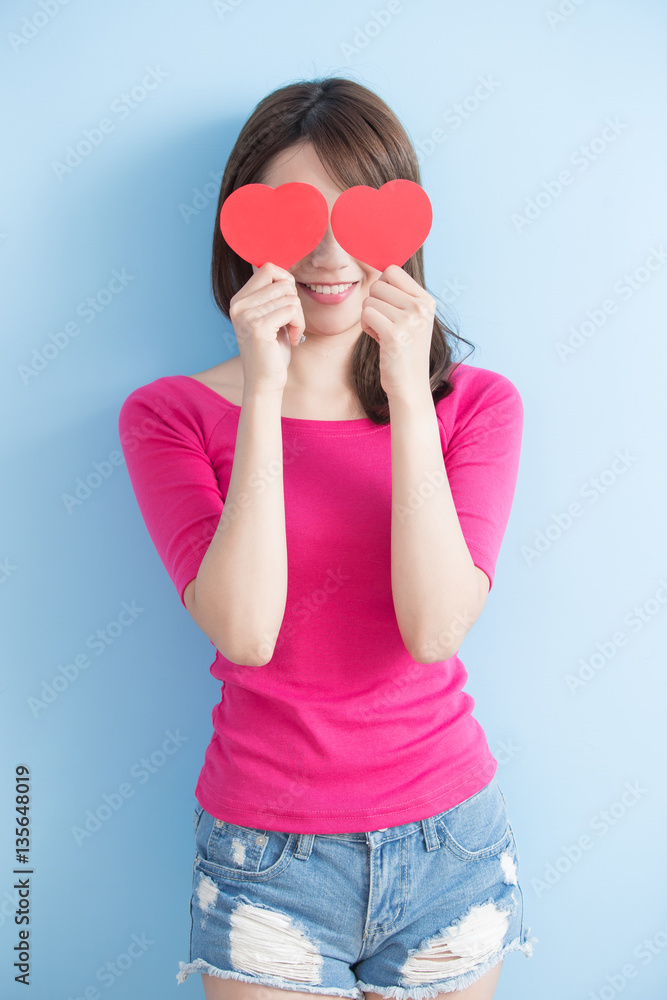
<point>398,314</point>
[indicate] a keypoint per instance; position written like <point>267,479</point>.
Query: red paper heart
<point>280,224</point>
<point>382,226</point>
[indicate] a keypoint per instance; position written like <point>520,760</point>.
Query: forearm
<point>434,582</point>
<point>241,586</point>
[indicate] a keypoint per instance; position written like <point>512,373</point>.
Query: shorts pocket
<point>196,816</point>
<point>478,827</point>
<point>241,853</point>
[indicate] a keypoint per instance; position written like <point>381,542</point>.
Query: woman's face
<point>328,264</point>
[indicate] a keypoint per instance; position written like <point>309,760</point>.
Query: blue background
<point>140,202</point>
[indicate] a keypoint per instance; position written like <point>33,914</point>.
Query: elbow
<point>248,658</point>
<point>423,647</point>
<point>257,654</point>
<point>233,643</point>
<point>435,649</point>
<point>251,652</point>
<point>244,659</point>
<point>431,653</point>
<point>425,651</point>
<point>426,656</point>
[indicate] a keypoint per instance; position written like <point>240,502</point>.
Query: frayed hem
<point>453,982</point>
<point>199,965</point>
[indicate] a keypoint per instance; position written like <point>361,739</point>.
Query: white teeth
<point>330,289</point>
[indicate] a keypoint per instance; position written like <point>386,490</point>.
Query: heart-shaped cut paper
<point>382,226</point>
<point>280,224</point>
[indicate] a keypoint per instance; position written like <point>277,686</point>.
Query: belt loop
<point>304,846</point>
<point>431,839</point>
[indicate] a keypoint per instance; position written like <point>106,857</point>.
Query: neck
<point>322,365</point>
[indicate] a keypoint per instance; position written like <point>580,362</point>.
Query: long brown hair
<point>360,141</point>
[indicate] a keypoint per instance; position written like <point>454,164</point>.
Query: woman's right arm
<point>238,597</point>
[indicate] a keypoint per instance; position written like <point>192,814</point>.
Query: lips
<point>328,298</point>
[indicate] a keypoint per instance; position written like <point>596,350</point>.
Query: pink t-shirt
<point>342,730</point>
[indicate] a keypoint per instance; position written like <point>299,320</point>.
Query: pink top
<point>341,731</point>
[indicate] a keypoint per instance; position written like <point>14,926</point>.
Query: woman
<point>330,510</point>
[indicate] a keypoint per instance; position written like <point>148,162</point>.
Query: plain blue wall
<point>523,289</point>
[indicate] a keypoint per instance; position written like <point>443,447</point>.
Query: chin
<point>331,329</point>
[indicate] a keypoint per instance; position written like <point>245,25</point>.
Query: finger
<point>290,315</point>
<point>287,315</point>
<point>270,293</point>
<point>390,293</point>
<point>377,321</point>
<point>296,327</point>
<point>395,275</point>
<point>268,273</point>
<point>383,307</point>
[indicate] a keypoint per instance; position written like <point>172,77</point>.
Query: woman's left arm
<point>438,591</point>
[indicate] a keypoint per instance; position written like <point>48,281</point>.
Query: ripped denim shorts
<point>408,912</point>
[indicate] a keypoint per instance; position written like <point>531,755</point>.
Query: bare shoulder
<point>226,373</point>
<point>225,378</point>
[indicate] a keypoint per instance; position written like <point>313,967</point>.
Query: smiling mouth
<point>329,289</point>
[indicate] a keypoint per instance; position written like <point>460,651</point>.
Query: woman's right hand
<point>268,321</point>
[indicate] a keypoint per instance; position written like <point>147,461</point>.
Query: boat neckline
<point>362,422</point>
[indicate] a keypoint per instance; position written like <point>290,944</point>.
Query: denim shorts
<point>408,912</point>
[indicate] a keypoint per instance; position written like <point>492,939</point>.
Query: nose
<point>329,253</point>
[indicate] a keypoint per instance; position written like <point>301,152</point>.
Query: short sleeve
<point>482,464</point>
<point>173,479</point>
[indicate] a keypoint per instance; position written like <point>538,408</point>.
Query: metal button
<point>261,839</point>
